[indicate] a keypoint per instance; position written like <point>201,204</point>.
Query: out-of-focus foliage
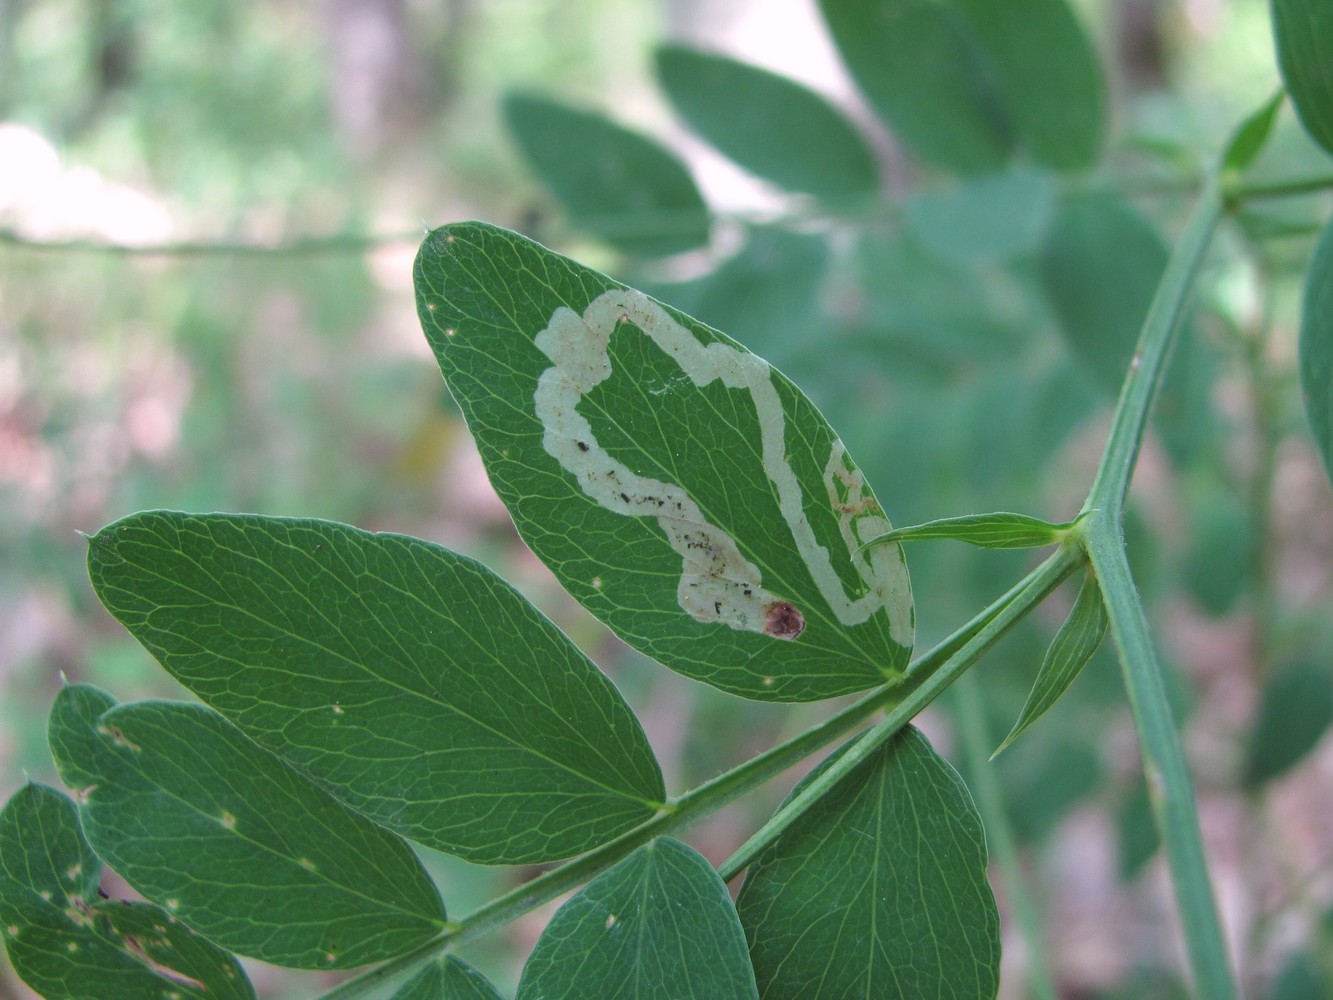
<point>954,342</point>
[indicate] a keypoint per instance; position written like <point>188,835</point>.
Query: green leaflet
<point>1046,70</point>
<point>1304,974</point>
<point>1303,33</point>
<point>658,924</point>
<point>1046,775</point>
<point>879,891</point>
<point>1214,569</point>
<point>1294,713</point>
<point>767,295</point>
<point>995,216</point>
<point>66,942</point>
<point>989,531</point>
<point>769,124</point>
<point>614,183</point>
<point>412,683</point>
<point>1137,839</point>
<point>1100,266</point>
<point>680,489</point>
<point>1249,139</point>
<point>920,67</point>
<point>1068,654</point>
<point>232,841</point>
<point>447,978</point>
<point>1316,347</point>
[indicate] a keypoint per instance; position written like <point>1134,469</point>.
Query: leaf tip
<point>1002,747</point>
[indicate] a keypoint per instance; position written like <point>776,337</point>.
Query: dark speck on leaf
<point>782,620</point>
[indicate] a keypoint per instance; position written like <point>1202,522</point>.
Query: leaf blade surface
<point>917,63</point>
<point>658,924</point>
<point>409,681</point>
<point>65,941</point>
<point>1315,348</point>
<point>447,978</point>
<point>768,124</point>
<point>879,890</point>
<point>617,184</point>
<point>679,488</point>
<point>1303,33</point>
<point>234,842</point>
<point>1047,71</point>
<point>1069,652</point>
<point>1001,530</point>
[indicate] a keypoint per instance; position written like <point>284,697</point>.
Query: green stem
<point>1150,357</point>
<point>929,675</point>
<point>1159,737</point>
<point>923,688</point>
<point>1164,766</point>
<point>1000,835</point>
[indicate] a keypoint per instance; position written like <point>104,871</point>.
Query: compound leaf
<point>1303,33</point>
<point>233,841</point>
<point>616,184</point>
<point>409,681</point>
<point>769,124</point>
<point>65,941</point>
<point>682,490</point>
<point>879,890</point>
<point>658,924</point>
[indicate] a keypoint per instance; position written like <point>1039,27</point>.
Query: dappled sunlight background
<point>208,215</point>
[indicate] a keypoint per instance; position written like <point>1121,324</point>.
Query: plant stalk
<point>1169,786</point>
<point>1159,737</point>
<point>1150,358</point>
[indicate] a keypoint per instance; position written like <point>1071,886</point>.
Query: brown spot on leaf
<point>783,620</point>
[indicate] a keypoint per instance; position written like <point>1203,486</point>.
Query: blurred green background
<point>208,213</point>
